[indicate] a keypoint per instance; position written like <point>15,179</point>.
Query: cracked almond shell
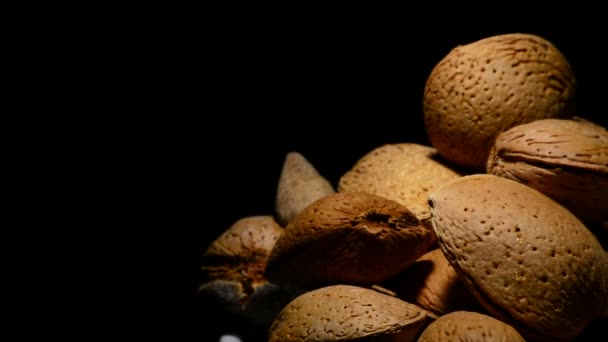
<point>526,258</point>
<point>347,313</point>
<point>347,238</point>
<point>483,88</point>
<point>241,252</point>
<point>564,159</point>
<point>234,264</point>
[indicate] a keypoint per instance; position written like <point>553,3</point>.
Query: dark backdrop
<point>256,89</point>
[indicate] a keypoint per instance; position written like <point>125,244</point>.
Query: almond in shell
<point>347,238</point>
<point>347,313</point>
<point>300,184</point>
<point>469,326</point>
<point>483,88</point>
<point>526,258</point>
<point>564,159</point>
<point>405,173</point>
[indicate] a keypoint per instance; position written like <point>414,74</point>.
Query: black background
<point>246,90</point>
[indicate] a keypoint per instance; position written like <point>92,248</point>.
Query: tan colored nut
<point>404,173</point>
<point>433,284</point>
<point>247,245</point>
<point>347,313</point>
<point>481,89</point>
<point>347,238</point>
<point>566,160</point>
<point>234,269</point>
<point>471,327</point>
<point>300,184</point>
<point>523,256</point>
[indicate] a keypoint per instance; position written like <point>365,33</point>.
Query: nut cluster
<point>493,233</point>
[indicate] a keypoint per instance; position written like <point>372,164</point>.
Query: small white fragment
<point>229,338</point>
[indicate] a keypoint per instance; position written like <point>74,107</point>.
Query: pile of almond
<point>496,232</point>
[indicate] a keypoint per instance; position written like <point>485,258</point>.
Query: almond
<point>234,264</point>
<point>471,327</point>
<point>347,313</point>
<point>240,253</point>
<point>526,258</point>
<point>483,88</point>
<point>564,159</point>
<point>404,173</point>
<point>347,238</point>
<point>300,184</point>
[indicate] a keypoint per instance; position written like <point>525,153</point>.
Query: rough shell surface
<point>469,326</point>
<point>483,88</point>
<point>345,313</point>
<point>524,256</point>
<point>300,184</point>
<point>347,238</point>
<point>564,159</point>
<point>405,173</point>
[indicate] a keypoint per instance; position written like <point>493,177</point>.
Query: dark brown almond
<point>241,252</point>
<point>347,238</point>
<point>233,267</point>
<point>347,313</point>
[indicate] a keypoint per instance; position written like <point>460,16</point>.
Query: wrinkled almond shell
<point>564,159</point>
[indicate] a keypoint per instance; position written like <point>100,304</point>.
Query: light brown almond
<point>525,257</point>
<point>300,184</point>
<point>404,173</point>
<point>469,326</point>
<point>347,313</point>
<point>564,159</point>
<point>483,88</point>
<point>347,238</point>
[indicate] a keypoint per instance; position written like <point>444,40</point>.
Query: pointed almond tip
<point>295,160</point>
<point>299,185</point>
<point>296,166</point>
<point>294,155</point>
